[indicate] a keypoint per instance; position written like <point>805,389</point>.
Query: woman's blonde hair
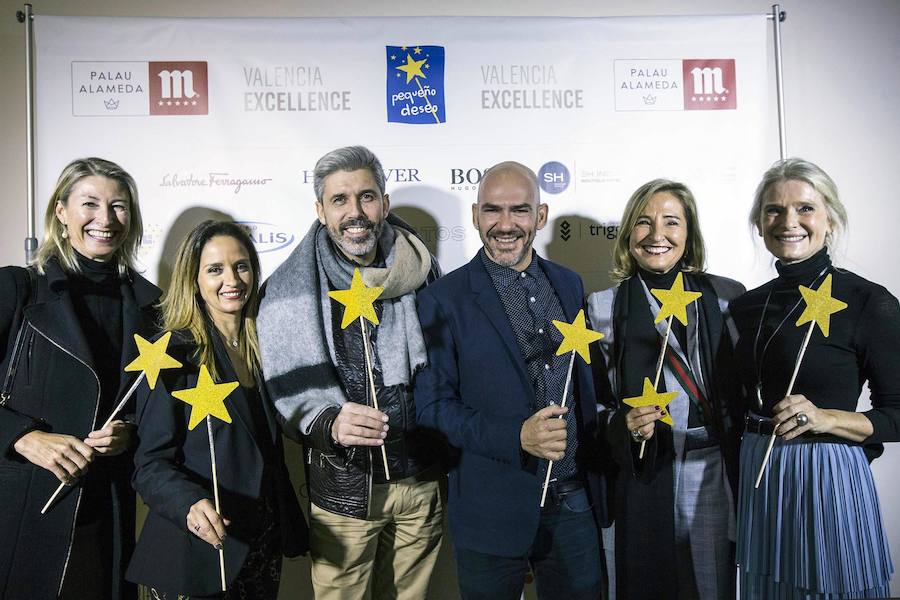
<point>799,169</point>
<point>183,308</point>
<point>694,259</point>
<point>56,244</point>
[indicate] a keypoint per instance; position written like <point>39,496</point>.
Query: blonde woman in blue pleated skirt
<point>812,529</point>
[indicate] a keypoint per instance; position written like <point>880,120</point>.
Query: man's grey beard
<point>358,249</point>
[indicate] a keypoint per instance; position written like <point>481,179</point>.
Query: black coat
<point>173,471</point>
<point>56,389</point>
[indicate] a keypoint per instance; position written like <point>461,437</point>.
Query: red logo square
<point>179,88</point>
<point>709,84</point>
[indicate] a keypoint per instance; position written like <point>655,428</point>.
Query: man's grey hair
<point>350,158</point>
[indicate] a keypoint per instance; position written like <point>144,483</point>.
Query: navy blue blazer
<point>476,390</point>
<point>173,472</point>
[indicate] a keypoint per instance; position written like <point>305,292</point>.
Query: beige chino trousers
<point>392,553</point>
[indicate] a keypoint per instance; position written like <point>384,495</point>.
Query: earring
<point>65,232</point>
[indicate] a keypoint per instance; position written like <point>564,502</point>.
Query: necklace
<point>758,357</point>
<point>233,342</point>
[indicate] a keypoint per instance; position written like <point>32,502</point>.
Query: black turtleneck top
<point>862,345</point>
<point>97,299</point>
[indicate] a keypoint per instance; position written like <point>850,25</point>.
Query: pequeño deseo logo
<point>415,85</point>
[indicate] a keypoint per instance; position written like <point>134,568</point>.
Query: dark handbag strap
<point>20,342</point>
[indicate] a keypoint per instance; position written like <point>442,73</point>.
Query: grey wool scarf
<point>294,324</point>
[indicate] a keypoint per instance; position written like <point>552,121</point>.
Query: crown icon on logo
<point>649,99</point>
<point>111,104</point>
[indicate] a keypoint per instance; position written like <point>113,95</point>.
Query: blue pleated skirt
<point>813,529</point>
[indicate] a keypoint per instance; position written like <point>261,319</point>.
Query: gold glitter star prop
<point>152,358</point>
<point>675,301</point>
<point>820,305</point>
<point>357,300</point>
<point>577,337</point>
<point>207,398</point>
<point>650,397</point>
<point>412,68</point>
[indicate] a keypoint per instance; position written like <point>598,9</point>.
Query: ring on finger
<point>197,527</point>
<point>636,435</point>
<point>801,419</point>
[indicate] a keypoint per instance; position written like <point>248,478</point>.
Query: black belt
<point>563,488</point>
<point>765,426</point>
<point>759,425</point>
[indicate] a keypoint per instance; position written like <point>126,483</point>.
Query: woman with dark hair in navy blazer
<point>211,308</point>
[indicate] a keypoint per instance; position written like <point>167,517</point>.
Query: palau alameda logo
<point>415,84</point>
<point>676,84</point>
<point>121,88</point>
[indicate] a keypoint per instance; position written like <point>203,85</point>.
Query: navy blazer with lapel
<point>173,471</point>
<point>476,390</point>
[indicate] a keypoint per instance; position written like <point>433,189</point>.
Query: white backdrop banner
<point>226,117</point>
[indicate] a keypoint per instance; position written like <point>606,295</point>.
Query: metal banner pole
<point>778,16</point>
<point>27,17</point>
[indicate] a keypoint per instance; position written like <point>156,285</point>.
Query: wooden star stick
<point>659,365</point>
<point>562,404</point>
<point>674,305</point>
<point>820,305</point>
<point>358,302</point>
<point>152,358</point>
<point>215,481</point>
<point>370,378</point>
<point>576,340</point>
<point>207,399</point>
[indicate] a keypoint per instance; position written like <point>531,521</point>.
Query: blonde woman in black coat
<point>66,332</point>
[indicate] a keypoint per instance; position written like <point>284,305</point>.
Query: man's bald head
<point>510,170</point>
<point>508,213</point>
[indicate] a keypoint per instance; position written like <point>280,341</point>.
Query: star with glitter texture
<point>650,397</point>
<point>820,305</point>
<point>675,301</point>
<point>207,398</point>
<point>577,337</point>
<point>358,300</point>
<point>152,358</point>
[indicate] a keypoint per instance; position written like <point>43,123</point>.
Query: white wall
<point>841,85</point>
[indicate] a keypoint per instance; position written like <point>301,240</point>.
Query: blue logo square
<point>415,85</point>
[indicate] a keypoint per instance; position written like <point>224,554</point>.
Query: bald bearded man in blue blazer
<point>492,386</point>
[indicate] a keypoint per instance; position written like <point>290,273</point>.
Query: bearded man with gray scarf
<point>369,529</point>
